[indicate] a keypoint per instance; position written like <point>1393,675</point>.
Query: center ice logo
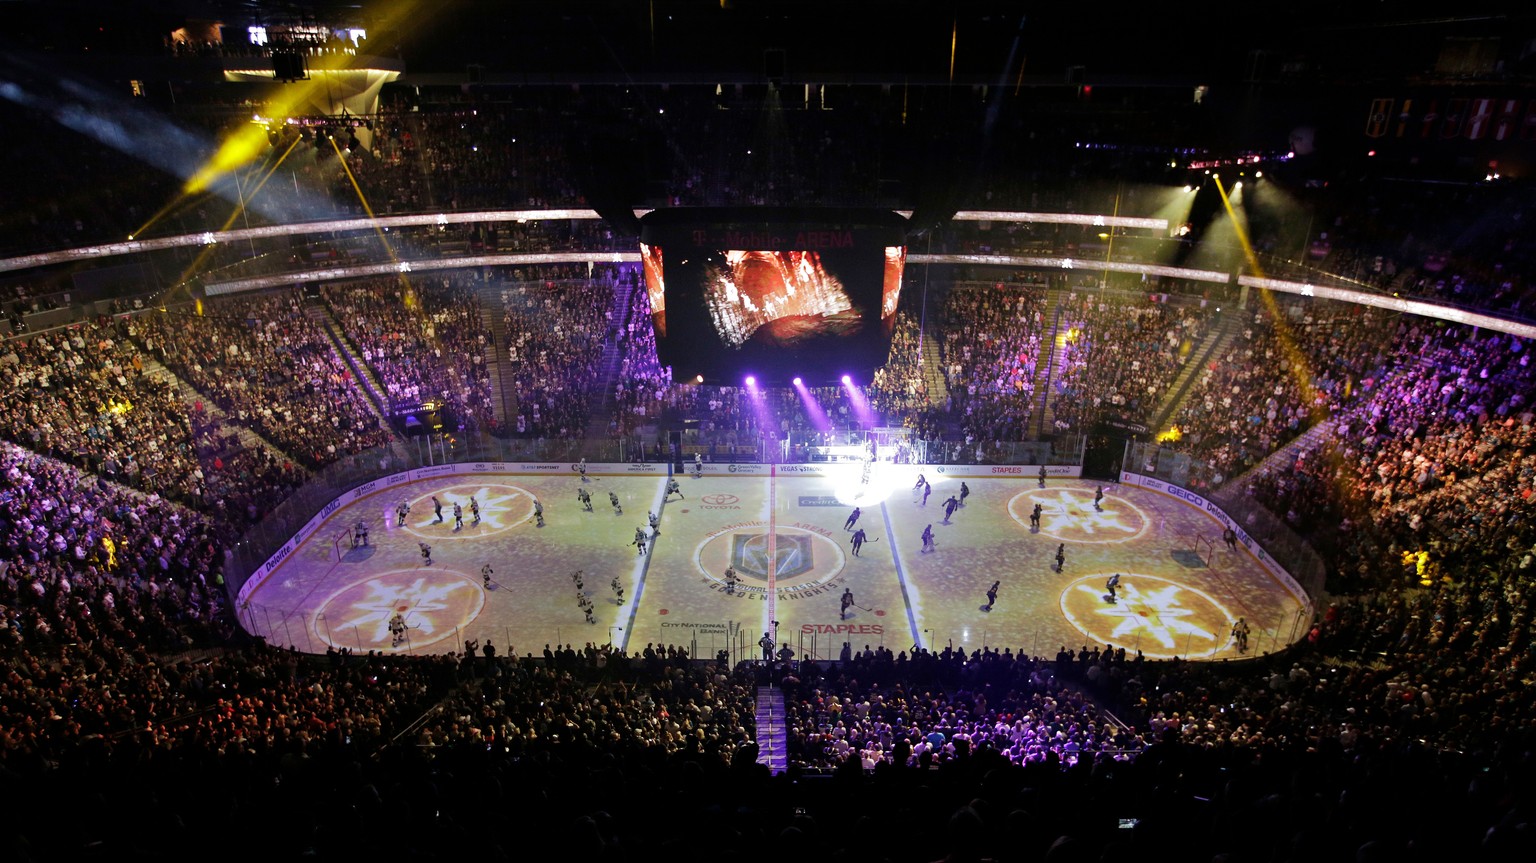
<point>805,560</point>
<point>792,555</point>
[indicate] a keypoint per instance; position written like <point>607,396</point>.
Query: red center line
<point>773,546</point>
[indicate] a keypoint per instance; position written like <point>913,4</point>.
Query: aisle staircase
<point>602,405</point>
<point>1224,329</point>
<point>360,371</point>
<point>248,437</point>
<point>1282,458</point>
<point>501,366</point>
<point>1049,362</point>
<point>492,321</point>
<point>931,362</point>
<point>772,736</point>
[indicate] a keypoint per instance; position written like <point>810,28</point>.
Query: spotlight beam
<point>861,409</point>
<point>182,199</point>
<point>1237,225</point>
<point>202,256</point>
<point>125,127</point>
<point>410,298</point>
<point>243,145</point>
<point>813,409</point>
<point>1300,367</point>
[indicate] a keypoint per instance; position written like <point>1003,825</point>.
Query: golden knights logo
<point>800,560</point>
<point>791,555</point>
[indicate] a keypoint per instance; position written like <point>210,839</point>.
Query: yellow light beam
<point>405,284</point>
<point>182,199</point>
<point>271,171</point>
<point>1297,363</point>
<point>1109,249</point>
<point>244,144</point>
<point>1237,226</point>
<point>239,149</point>
<point>202,256</point>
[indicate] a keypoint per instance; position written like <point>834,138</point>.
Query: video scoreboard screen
<point>773,293</point>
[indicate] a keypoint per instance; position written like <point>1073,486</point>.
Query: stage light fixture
<point>797,380</point>
<point>847,381</point>
<point>751,381</point>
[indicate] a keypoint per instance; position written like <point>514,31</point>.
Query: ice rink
<point>782,530</point>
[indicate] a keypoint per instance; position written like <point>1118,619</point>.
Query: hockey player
<point>853,518</point>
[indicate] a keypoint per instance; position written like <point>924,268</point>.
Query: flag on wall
<point>1404,116</point>
<point>1376,121</point>
<point>1509,116</point>
<point>1455,110</point>
<point>1480,119</point>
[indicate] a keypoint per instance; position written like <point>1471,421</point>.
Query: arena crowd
<point>1398,727</point>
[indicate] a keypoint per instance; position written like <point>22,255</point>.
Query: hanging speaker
<point>288,66</point>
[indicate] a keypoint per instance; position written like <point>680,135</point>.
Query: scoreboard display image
<point>776,295</point>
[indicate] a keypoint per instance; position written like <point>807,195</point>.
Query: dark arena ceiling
<point>897,39</point>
